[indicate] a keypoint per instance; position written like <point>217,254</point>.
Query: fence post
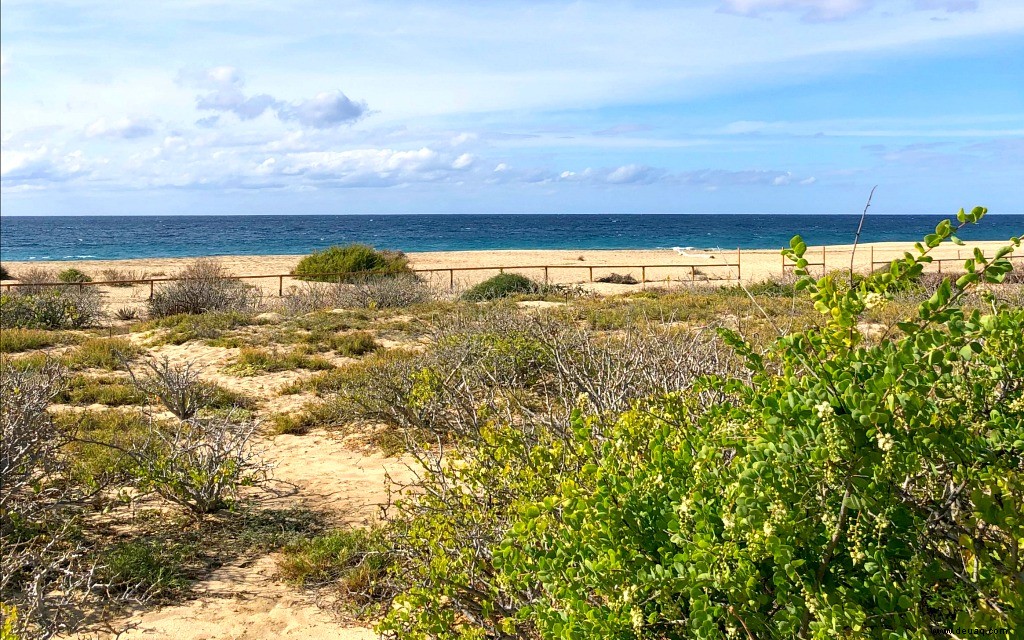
<point>280,286</point>
<point>643,275</point>
<point>693,273</point>
<point>824,270</point>
<point>591,273</point>
<point>451,279</point>
<point>150,289</point>
<point>545,275</point>
<point>872,259</point>
<point>739,263</point>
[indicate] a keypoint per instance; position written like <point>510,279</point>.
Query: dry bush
<point>204,286</point>
<point>200,464</point>
<point>121,276</point>
<point>617,278</point>
<point>176,386</point>
<point>47,573</point>
<point>35,276</point>
<point>386,292</point>
<point>308,297</point>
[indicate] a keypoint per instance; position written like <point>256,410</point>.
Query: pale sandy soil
<point>247,600</point>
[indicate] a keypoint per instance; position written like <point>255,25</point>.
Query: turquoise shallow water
<point>116,237</point>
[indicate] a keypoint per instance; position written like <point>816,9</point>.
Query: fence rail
<point>545,268</point>
<point>451,271</point>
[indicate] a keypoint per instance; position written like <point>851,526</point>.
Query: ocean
<point>117,237</point>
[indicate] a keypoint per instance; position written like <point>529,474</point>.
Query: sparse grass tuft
<point>356,562</point>
<point>107,390</point>
<point>15,340</point>
<point>157,567</point>
<point>102,353</point>
<point>253,361</point>
<point>183,327</point>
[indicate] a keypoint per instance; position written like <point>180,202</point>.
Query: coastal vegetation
<point>828,456</point>
<point>502,285</point>
<point>354,261</point>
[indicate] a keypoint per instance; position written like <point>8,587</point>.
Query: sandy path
<point>246,599</point>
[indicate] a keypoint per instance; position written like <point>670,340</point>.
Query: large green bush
<point>502,285</point>
<point>849,489</point>
<point>354,261</point>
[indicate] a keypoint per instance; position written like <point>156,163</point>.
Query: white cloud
<point>38,166</point>
<point>632,173</point>
<point>226,93</point>
<point>323,111</point>
<point>949,6</point>
<point>126,128</point>
<point>811,10</point>
<point>463,161</point>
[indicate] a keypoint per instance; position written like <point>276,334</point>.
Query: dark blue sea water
<point>112,237</point>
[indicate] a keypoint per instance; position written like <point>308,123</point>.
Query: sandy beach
<point>465,268</point>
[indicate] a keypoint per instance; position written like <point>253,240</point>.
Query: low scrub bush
<point>63,307</point>
<point>200,464</point>
<point>5,274</point>
<point>386,293</point>
<point>501,286</point>
<point>120,276</point>
<point>73,276</point>
<point>202,287</point>
<point>126,313</point>
<point>336,264</point>
<point>616,278</point>
<point>46,573</point>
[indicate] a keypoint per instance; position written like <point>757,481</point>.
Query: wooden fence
<point>680,269</point>
<point>692,269</point>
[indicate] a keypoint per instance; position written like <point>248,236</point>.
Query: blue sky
<point>722,106</point>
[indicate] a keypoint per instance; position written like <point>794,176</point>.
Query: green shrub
<point>4,273</point>
<point>50,308</point>
<point>73,276</point>
<point>844,490</point>
<point>501,286</point>
<point>355,261</point>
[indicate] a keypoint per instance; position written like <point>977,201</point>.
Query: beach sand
<point>664,267</point>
